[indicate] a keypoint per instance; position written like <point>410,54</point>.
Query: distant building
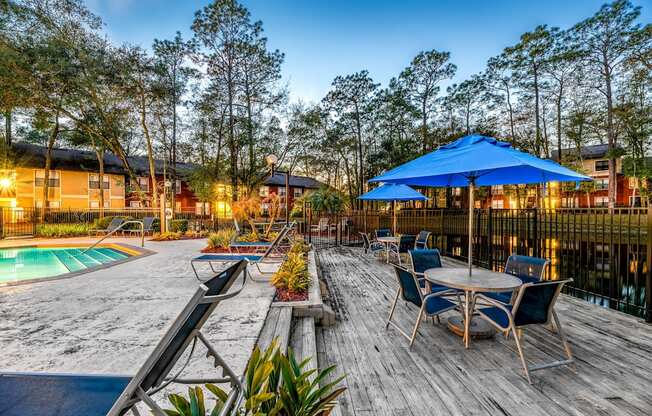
<point>299,185</point>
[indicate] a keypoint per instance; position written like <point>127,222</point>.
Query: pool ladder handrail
<point>116,229</point>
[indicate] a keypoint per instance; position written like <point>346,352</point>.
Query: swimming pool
<point>27,263</point>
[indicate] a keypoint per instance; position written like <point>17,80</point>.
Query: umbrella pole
<point>471,189</point>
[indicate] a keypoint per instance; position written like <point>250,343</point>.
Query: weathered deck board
<point>384,377</point>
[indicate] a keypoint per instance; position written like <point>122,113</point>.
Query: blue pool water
<point>35,262</point>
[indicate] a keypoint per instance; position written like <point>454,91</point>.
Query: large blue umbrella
<point>477,160</point>
<point>393,192</point>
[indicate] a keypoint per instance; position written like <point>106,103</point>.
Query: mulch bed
<point>176,239</point>
<point>283,295</point>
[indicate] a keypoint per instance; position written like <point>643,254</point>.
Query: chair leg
<point>391,311</point>
<point>416,326</point>
<point>562,336</point>
<point>520,353</point>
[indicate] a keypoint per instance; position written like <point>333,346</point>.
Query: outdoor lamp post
<point>272,160</point>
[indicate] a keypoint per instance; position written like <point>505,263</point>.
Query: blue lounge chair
<point>528,269</point>
<point>432,304</point>
<point>262,246</point>
<point>46,394</point>
<point>534,305</point>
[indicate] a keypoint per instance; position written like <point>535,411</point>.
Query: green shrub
<point>293,274</point>
<point>61,230</point>
<point>222,238</point>
<point>274,384</point>
<point>300,247</point>
<point>178,226</point>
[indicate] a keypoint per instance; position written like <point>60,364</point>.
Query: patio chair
<point>374,246</point>
<point>262,246</point>
<point>148,226</point>
<point>383,232</point>
<point>405,242</point>
<point>432,304</point>
<point>534,305</point>
<point>528,269</point>
<point>115,223</point>
<point>322,225</point>
<point>421,241</point>
<point>48,394</point>
<point>423,260</point>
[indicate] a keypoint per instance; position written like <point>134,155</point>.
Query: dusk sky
<point>323,39</point>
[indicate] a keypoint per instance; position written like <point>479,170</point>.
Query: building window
<point>143,182</point>
<point>94,181</point>
<point>497,203</point>
<point>601,165</point>
<point>281,191</point>
<point>135,204</point>
<point>177,187</point>
<point>96,204</point>
<point>53,180</point>
<point>601,201</point>
<point>456,191</point>
<point>635,201</point>
<point>601,184</point>
<point>264,191</point>
<point>570,202</point>
<point>497,190</point>
<point>206,208</point>
<point>298,192</point>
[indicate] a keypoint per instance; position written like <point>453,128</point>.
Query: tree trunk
<point>536,114</point>
<point>174,141</point>
<point>511,115</point>
<point>361,164</point>
<point>232,147</point>
<point>48,162</point>
<point>424,125</point>
<point>559,97</point>
<point>150,153</point>
<point>611,139</point>
<point>8,127</point>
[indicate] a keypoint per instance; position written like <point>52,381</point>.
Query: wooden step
<point>277,325</point>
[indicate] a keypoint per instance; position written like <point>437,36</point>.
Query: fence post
<point>648,275</point>
<point>490,238</point>
<point>2,228</point>
<point>309,225</point>
<point>535,233</point>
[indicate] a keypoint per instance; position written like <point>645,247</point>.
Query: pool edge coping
<point>129,248</point>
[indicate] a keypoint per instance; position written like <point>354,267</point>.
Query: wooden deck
<point>439,377</point>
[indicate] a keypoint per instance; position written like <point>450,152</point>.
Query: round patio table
<point>482,280</point>
<point>388,241</point>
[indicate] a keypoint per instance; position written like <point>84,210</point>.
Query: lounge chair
<point>528,269</point>
<point>421,241</point>
<point>115,223</point>
<point>373,246</point>
<point>262,246</point>
<point>46,394</point>
<point>148,226</point>
<point>432,304</point>
<point>534,305</point>
<point>226,258</point>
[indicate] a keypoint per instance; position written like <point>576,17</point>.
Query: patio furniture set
<point>486,300</point>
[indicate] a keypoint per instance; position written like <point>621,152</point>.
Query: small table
<point>482,280</point>
<point>387,241</point>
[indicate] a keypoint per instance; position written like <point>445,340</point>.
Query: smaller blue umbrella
<point>393,192</point>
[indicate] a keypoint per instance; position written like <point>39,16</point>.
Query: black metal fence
<point>606,252</point>
<point>23,222</point>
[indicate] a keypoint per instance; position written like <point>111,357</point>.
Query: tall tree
<point>606,40</point>
<point>422,79</point>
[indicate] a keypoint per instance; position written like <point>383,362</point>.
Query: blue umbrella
<point>393,192</point>
<point>477,160</point>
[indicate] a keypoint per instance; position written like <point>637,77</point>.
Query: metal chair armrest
<point>493,302</point>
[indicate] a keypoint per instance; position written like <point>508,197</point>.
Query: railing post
<point>2,228</point>
<point>648,275</point>
<point>490,238</point>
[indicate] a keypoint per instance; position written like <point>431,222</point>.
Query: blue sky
<point>322,39</point>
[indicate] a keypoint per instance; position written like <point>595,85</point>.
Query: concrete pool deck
<point>109,320</point>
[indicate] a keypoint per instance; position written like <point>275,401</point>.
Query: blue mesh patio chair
<point>48,394</point>
<point>375,247</point>
<point>431,305</point>
<point>405,243</point>
<point>423,260</point>
<point>383,232</point>
<point>534,305</point>
<point>528,269</point>
<point>421,241</point>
